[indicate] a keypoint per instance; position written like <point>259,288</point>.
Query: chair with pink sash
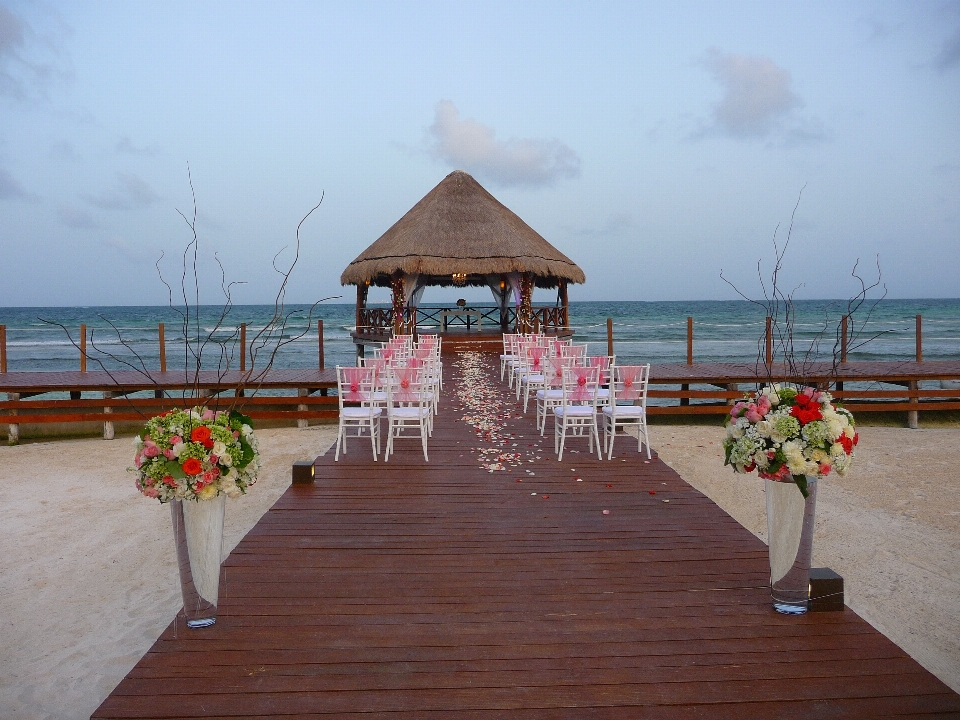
<point>577,412</point>
<point>530,375</point>
<point>605,363</point>
<point>552,393</point>
<point>408,407</point>
<point>358,411</point>
<point>627,405</point>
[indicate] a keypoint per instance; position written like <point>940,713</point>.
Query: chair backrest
<point>604,362</point>
<point>580,385</point>
<point>574,351</point>
<point>405,385</point>
<point>533,358</point>
<point>630,384</point>
<point>553,370</point>
<point>355,384</point>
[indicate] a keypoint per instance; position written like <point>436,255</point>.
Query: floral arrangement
<point>196,454</point>
<point>788,434</point>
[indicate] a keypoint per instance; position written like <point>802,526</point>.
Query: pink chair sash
<point>582,392</point>
<point>555,376</point>
<point>406,385</point>
<point>536,354</point>
<point>630,385</point>
<point>353,378</point>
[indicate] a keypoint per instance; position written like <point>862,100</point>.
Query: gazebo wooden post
<point>362,290</point>
<point>565,304</point>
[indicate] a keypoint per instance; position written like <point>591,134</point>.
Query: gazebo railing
<point>380,321</point>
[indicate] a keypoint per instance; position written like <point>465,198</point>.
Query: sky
<point>657,144</point>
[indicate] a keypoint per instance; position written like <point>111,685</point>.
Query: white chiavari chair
<point>355,385</point>
<point>408,407</point>
<point>627,405</point>
<point>577,412</point>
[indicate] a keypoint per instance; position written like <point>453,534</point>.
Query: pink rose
<point>176,440</point>
<point>208,414</point>
<point>151,450</point>
<point>752,414</point>
<point>137,460</point>
<point>214,459</point>
<point>168,454</point>
<point>151,492</point>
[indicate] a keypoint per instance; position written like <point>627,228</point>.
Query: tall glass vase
<point>790,519</point>
<point>198,533</point>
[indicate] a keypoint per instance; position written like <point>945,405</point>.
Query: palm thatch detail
<point>459,227</point>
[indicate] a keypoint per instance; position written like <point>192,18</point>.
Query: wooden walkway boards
<point>409,589</point>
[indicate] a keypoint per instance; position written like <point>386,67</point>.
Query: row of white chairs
<point>402,382</point>
<point>580,391</point>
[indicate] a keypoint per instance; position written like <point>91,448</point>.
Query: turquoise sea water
<point>653,332</point>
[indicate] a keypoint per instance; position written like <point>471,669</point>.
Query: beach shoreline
<point>88,576</point>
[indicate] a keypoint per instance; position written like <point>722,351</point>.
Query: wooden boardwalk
<point>444,590</point>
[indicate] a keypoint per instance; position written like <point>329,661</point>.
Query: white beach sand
<point>88,576</point>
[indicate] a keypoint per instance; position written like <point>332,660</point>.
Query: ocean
<point>654,332</point>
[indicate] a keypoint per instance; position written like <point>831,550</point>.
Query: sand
<point>88,576</point>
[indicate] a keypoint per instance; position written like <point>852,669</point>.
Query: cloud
<point>757,95</point>
<point>126,146</point>
<point>75,218</point>
<point>131,192</point>
<point>10,188</point>
<point>21,75</point>
<point>949,56</point>
<point>127,250</point>
<point>473,146</point>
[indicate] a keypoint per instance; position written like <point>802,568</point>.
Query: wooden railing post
<point>163,348</point>
<point>3,348</point>
<point>609,336</point>
<point>108,431</point>
<point>689,341</point>
<point>919,338</point>
<point>320,340</point>
<point>769,342</point>
<point>83,348</point>
<point>243,347</point>
<point>302,422</point>
<point>843,338</point>
<point>13,429</point>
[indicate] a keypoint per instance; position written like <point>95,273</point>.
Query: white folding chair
<point>356,385</point>
<point>509,352</point>
<point>552,393</point>
<point>605,363</point>
<point>531,371</point>
<point>628,385</point>
<point>408,407</point>
<point>578,409</point>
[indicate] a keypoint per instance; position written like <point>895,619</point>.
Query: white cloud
<point>22,74</point>
<point>126,146</point>
<point>757,95</point>
<point>131,191</point>
<point>473,146</point>
<point>75,218</point>
<point>949,56</point>
<point>9,188</point>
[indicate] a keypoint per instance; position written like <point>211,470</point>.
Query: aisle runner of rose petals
<point>486,410</point>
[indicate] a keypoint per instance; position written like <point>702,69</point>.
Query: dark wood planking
<point>411,589</point>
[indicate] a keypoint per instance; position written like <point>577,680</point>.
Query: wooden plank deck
<point>409,589</point>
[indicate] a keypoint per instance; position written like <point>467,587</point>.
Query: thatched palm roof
<point>458,227</point>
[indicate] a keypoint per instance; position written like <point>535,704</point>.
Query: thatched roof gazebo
<point>459,234</point>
